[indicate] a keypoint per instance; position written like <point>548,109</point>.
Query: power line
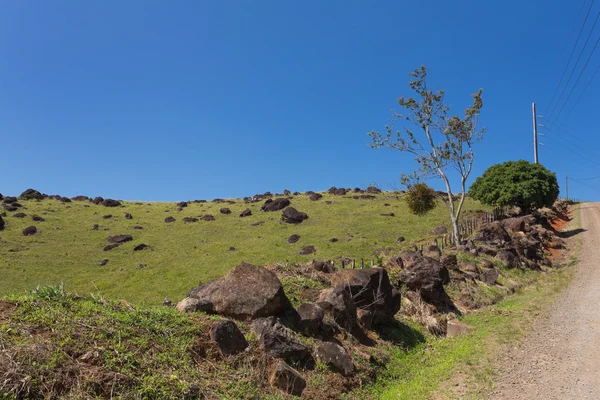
<point>585,184</point>
<point>572,51</point>
<point>587,179</point>
<point>589,145</point>
<point>581,152</point>
<point>581,95</point>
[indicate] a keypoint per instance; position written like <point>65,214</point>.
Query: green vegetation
<point>516,183</point>
<point>421,199</point>
<point>66,250</point>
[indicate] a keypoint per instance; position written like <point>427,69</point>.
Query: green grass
<point>66,250</point>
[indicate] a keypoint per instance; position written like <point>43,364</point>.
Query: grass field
<point>66,250</point>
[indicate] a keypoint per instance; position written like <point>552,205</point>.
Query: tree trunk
<point>455,232</point>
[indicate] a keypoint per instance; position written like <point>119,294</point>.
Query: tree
<point>516,183</point>
<point>446,142</point>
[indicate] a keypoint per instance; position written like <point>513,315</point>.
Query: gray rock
<point>334,356</point>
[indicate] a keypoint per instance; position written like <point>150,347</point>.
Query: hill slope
<point>67,250</point>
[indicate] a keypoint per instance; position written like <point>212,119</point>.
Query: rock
<point>388,215</point>
<point>120,238</point>
<point>111,203</point>
<point>138,228</point>
<point>488,251</point>
<point>333,240</point>
<point>80,198</point>
<point>370,289</point>
<point>316,196</point>
<point>449,261</point>
<point>111,246</point>
<point>287,192</point>
<point>30,230</point>
<point>2,223</point>
<point>128,216</point>
<point>365,318</point>
<point>189,305</point>
<point>556,243</point>
<point>31,194</point>
<point>432,251</point>
<point>400,240</point>
<point>208,217</point>
<point>395,262</point>
<point>189,220</point>
<point>514,225</point>
<point>489,276</point>
<point>9,200</point>
<point>373,190</point>
<point>427,276</point>
<point>469,266</point>
<point>246,292</point>
<point>225,211</point>
<point>65,200</point>
<point>440,230</point>
<point>456,328</point>
<point>107,216</point>
<point>311,318</point>
<point>182,204</point>
<point>335,357</point>
<point>410,257</point>
<point>277,341</point>
<point>37,218</point>
<point>9,208</point>
<point>293,239</point>
<point>323,266</point>
<point>170,219</point>
<point>338,192</point>
<point>97,200</point>
<point>306,250</point>
<point>493,234</point>
<point>103,262</point>
<point>246,213</point>
<point>275,205</point>
<point>19,215</point>
<point>509,259</point>
<point>338,303</point>
<point>231,248</point>
<point>287,379</point>
<point>292,216</point>
<point>141,247</point>
<point>95,227</point>
<point>228,337</point>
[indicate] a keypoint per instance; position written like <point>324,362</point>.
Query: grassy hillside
<point>180,255</point>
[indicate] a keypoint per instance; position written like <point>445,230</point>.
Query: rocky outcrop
<point>338,303</point>
<point>335,357</point>
<point>228,337</point>
<point>427,276</point>
<point>275,205</point>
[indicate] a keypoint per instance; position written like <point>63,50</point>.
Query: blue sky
<point>180,100</point>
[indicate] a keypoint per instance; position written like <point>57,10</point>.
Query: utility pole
<point>567,185</point>
<point>535,135</point>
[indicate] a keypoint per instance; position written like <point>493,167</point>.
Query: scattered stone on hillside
<point>364,197</point>
<point>95,227</point>
<point>19,215</point>
<point>427,276</point>
<point>231,248</point>
<point>333,240</point>
<point>189,305</point>
<point>111,246</point>
<point>335,357</point>
<point>292,216</point>
<point>37,218</point>
<point>140,247</point>
<point>228,337</point>
<point>316,196</point>
<point>170,219</point>
<point>469,266</point>
<point>182,204</point>
<point>373,190</point>
<point>31,194</point>
<point>64,199</point>
<point>488,251</point>
<point>279,342</point>
<point>9,200</point>
<point>338,192</point>
<point>128,216</point>
<point>2,223</point>
<point>102,263</point>
<point>30,230</point>
<point>387,215</point>
<point>338,303</point>
<point>120,238</point>
<point>514,225</point>
<point>9,207</point>
<point>323,266</point>
<point>293,238</point>
<point>80,198</point>
<point>493,234</point>
<point>440,230</point>
<point>287,379</point>
<point>275,205</point>
<point>311,318</point>
<point>370,289</point>
<point>107,216</point>
<point>138,228</point>
<point>246,213</point>
<point>225,210</point>
<point>456,328</point>
<point>400,239</point>
<point>432,251</point>
<point>111,203</point>
<point>489,276</point>
<point>190,219</point>
<point>509,259</point>
<point>97,200</point>
<point>208,217</point>
<point>259,223</point>
<point>246,292</point>
<point>306,250</point>
<point>449,261</point>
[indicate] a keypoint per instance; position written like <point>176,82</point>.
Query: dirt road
<point>561,358</point>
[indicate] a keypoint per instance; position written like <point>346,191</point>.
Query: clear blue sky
<point>181,100</point>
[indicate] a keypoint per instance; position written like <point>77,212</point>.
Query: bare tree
<point>446,141</point>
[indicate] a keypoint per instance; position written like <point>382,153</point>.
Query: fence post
<point>372,263</point>
<point>362,263</point>
<point>353,264</point>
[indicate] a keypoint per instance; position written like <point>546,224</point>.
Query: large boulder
<point>338,303</point>
<point>31,194</point>
<point>427,276</point>
<point>275,205</point>
<point>514,225</point>
<point>493,234</point>
<point>111,203</point>
<point>311,318</point>
<point>315,196</point>
<point>228,337</point>
<point>97,200</point>
<point>246,292</point>
<point>335,357</point>
<point>292,216</point>
<point>246,213</point>
<point>373,190</point>
<point>370,289</point>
